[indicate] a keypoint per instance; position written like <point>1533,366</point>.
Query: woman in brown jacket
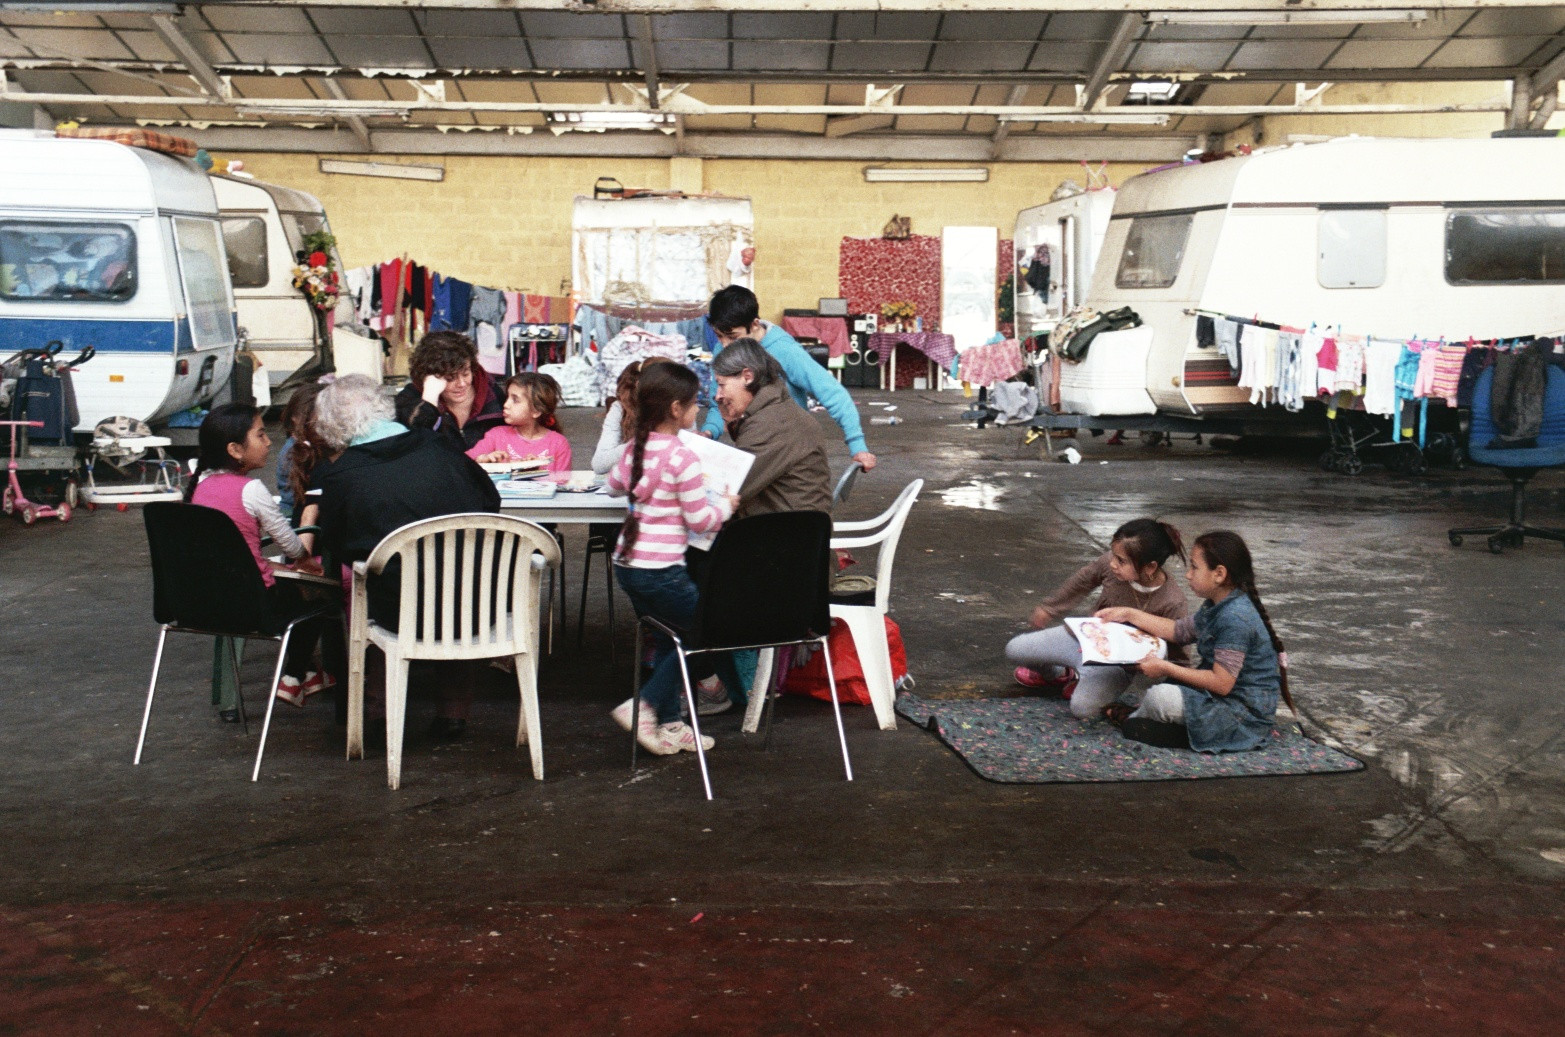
<point>791,472</point>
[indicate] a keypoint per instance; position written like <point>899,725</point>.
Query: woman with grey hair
<point>791,472</point>
<point>382,476</point>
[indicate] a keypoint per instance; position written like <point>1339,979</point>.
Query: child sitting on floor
<point>1228,701</point>
<point>1130,573</point>
<point>530,429</point>
<point>232,443</point>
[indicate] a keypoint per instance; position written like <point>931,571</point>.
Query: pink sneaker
<point>648,735</point>
<point>314,683</point>
<point>680,737</point>
<point>1028,677</point>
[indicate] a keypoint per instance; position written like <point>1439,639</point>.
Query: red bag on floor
<point>810,679</point>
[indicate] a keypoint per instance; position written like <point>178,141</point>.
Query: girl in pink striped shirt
<point>668,502</point>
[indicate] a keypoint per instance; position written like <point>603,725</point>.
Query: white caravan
<point>118,248</point>
<point>1073,228</point>
<point>264,227</point>
<point>1398,238</point>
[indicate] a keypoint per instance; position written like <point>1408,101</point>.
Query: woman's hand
<point>434,385</point>
<point>733,503</point>
<point>308,565</point>
<point>1041,617</point>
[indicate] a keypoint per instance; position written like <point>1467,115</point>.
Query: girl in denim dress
<point>1228,701</point>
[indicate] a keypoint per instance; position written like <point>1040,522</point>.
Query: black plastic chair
<point>766,585</point>
<point>205,581</point>
<point>1519,464</point>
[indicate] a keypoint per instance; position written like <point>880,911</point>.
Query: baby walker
<point>123,444</point>
<point>14,501</point>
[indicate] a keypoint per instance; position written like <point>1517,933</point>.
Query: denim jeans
<point>670,596</point>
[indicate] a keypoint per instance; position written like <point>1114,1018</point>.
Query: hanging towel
<point>1380,370</point>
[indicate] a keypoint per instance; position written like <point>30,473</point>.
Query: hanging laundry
<point>1380,368</point>
<point>1447,376</point>
<point>1350,363</point>
<point>1205,332</point>
<point>1257,360</point>
<point>1227,336</point>
<point>1326,366</point>
<point>1290,385</point>
<point>990,363</point>
<point>634,344</point>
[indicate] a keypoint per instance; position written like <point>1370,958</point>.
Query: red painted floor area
<point>1177,958</point>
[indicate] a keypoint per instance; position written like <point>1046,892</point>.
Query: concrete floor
<point>1421,895</point>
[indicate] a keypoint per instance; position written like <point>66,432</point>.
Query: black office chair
<point>845,484</point>
<point>767,585</point>
<point>1519,464</point>
<point>205,581</point>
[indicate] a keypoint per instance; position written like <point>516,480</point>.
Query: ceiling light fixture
<point>1313,17</point>
<point>394,170</point>
<point>310,111</point>
<point>925,175</point>
<point>88,7</point>
<point>597,122</point>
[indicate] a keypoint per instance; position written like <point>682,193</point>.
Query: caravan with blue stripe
<point>121,249</point>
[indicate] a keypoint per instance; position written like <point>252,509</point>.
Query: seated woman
<point>449,392</point>
<point>791,472</point>
<point>380,477</point>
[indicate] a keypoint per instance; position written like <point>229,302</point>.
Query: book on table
<point>526,489</point>
<point>515,471</point>
<point>1113,644</point>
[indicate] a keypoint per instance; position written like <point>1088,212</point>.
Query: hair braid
<point>627,539</point>
<point>1282,653</point>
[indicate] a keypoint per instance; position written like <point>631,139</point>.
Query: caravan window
<point>244,238</point>
<point>1154,249</point>
<point>1505,246</point>
<point>205,276</point>
<point>1351,248</point>
<point>299,225</point>
<point>77,262</point>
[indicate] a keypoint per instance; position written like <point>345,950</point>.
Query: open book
<point>723,469</point>
<point>1114,643</point>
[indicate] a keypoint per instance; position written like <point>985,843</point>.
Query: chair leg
<point>396,716</point>
<point>581,613</point>
<point>695,722</point>
<point>528,728</point>
<point>635,698</point>
<point>356,654</point>
<point>236,646</point>
<point>760,689</point>
<point>608,586</point>
<point>146,715</point>
<point>868,629</point>
<point>836,708</point>
<point>271,700</point>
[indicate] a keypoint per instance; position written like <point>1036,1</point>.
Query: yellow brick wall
<point>506,221</point>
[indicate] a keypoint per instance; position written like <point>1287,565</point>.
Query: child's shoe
<point>680,737</point>
<point>648,735</point>
<point>314,683</point>
<point>291,691</point>
<point>1028,677</point>
<point>711,697</point>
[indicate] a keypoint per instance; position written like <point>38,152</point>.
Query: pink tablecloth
<point>831,331</point>
<point>990,363</point>
<point>937,346</point>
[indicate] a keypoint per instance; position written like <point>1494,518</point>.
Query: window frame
<point>82,227</point>
<point>1455,213</point>
<point>1143,220</point>
<point>182,254</point>
<point>1326,213</point>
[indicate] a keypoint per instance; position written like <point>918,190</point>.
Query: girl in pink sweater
<point>668,502</point>
<point>530,429</point>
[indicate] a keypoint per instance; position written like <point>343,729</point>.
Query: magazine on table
<point>526,489</point>
<point>723,469</point>
<point>1114,643</point>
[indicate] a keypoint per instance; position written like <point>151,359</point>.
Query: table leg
<point>893,386</point>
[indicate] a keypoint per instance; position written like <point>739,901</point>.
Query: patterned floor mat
<point>1036,741</point>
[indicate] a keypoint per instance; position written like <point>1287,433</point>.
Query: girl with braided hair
<point>1228,702</point>
<point>668,502</point>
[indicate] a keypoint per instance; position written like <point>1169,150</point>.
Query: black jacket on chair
<point>379,487</point>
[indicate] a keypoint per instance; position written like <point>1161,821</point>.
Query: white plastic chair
<point>488,606</point>
<point>865,622</point>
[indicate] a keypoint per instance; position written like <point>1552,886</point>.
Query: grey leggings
<point>1096,686</point>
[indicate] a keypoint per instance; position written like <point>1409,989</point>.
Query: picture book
<point>1114,643</point>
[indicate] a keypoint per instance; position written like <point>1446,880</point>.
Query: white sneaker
<point>712,698</point>
<point>648,734</point>
<point>680,737</point>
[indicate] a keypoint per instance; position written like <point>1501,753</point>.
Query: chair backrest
<point>203,574</point>
<point>887,556</point>
<point>768,581</point>
<point>845,484</point>
<point>460,577</point>
<point>1552,434</point>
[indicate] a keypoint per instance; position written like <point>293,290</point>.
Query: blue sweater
<point>806,378</point>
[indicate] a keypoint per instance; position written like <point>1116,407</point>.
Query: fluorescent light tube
<point>394,170</point>
<point>88,7</point>
<point>1273,17</point>
<point>943,174</point>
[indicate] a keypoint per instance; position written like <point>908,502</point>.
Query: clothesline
<point>1505,342</point>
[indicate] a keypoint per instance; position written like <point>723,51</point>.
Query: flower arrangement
<point>316,275</point>
<point>898,316</point>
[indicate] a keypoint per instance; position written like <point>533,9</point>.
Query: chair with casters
<point>469,587</point>
<point>205,581</point>
<point>844,485</point>
<point>863,611</point>
<point>1519,464</point>
<point>766,586</point>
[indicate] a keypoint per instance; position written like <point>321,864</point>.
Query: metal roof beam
<point>354,122</point>
<point>1239,9</point>
<point>648,51</point>
<point>1003,130</point>
<point>196,65</point>
<point>1112,58</point>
